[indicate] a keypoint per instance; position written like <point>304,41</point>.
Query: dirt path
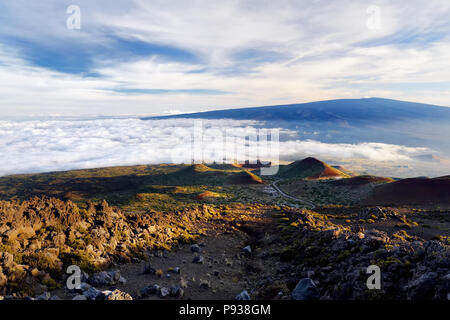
<point>283,194</point>
<point>225,272</point>
<point>220,276</point>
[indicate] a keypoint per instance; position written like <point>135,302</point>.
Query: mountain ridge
<point>338,110</point>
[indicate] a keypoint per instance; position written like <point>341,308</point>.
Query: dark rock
<point>149,290</point>
<point>149,270</point>
<point>106,278</point>
<point>83,287</point>
<point>164,292</point>
<point>177,292</point>
<point>205,284</point>
<point>305,290</point>
<point>247,250</point>
<point>92,293</point>
<point>423,287</point>
<point>44,296</point>
<point>122,280</point>
<point>375,238</point>
<point>198,260</point>
<point>243,296</point>
<point>175,270</point>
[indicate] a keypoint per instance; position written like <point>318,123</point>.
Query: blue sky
<point>159,57</point>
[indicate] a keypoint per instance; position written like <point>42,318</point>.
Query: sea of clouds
<point>62,144</point>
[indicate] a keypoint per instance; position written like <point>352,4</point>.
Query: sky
<point>161,57</point>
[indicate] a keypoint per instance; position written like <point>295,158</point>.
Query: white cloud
<point>53,145</point>
<point>327,52</point>
<point>368,150</point>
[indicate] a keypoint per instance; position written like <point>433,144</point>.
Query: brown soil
<point>413,191</point>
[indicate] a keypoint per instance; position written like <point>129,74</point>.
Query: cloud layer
<point>53,145</point>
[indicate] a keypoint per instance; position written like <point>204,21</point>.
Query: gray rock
<point>177,292</point>
<point>340,245</point>
<point>198,259</point>
<point>92,293</point>
<point>79,297</point>
<point>423,287</point>
<point>149,290</point>
<point>106,278</point>
<point>122,280</point>
<point>84,276</point>
<point>101,279</point>
<point>375,238</point>
<point>176,270</point>
<point>305,290</point>
<point>196,248</point>
<point>83,287</point>
<point>115,275</point>
<point>44,296</point>
<point>243,296</point>
<point>247,250</point>
<point>164,292</point>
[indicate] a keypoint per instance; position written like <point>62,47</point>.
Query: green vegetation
<point>43,261</point>
<point>402,235</point>
<point>80,259</point>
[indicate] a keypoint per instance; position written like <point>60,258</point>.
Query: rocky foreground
<point>41,237</point>
<point>257,252</point>
<point>335,257</point>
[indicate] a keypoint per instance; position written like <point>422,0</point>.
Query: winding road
<point>283,194</point>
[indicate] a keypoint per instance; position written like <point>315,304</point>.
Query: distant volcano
<point>311,168</point>
<point>346,112</point>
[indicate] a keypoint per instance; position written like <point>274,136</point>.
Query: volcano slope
<point>137,244</point>
<point>414,191</point>
<point>310,168</point>
<point>324,184</point>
